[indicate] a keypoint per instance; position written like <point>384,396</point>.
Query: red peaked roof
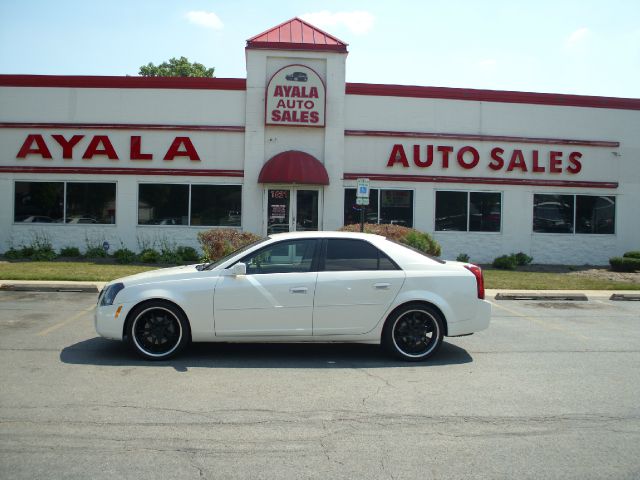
<point>296,34</point>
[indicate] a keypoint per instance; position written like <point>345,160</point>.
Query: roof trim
<point>87,81</point>
<point>501,96</point>
<point>316,39</point>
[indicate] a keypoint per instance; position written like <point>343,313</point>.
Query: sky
<point>578,47</point>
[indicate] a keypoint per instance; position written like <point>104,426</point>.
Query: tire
<point>158,330</point>
<point>413,332</point>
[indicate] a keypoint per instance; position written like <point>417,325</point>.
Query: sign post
<point>362,198</point>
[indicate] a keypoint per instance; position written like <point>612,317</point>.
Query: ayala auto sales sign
<point>296,97</point>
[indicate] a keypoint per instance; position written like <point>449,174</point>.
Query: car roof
<point>326,234</point>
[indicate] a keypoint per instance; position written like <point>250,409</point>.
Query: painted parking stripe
<point>58,326</point>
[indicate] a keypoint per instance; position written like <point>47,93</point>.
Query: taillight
<point>477,271</point>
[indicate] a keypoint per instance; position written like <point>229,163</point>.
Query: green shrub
<point>217,243</point>
<point>624,264</point>
<point>13,254</point>
<point>632,254</point>
<point>188,254</point>
<point>124,255</point>
<point>463,257</point>
<point>70,252</point>
<point>522,258</point>
<point>409,236</point>
<point>505,262</point>
<point>149,255</point>
<point>169,257</point>
<point>27,251</point>
<point>43,253</point>
<point>95,252</point>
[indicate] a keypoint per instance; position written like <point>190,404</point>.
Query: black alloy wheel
<point>158,330</point>
<point>414,332</point>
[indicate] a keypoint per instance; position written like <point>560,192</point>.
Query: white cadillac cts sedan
<point>300,287</point>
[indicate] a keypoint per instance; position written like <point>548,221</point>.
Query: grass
<point>494,279</point>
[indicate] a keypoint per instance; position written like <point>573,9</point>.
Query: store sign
<point>296,96</point>
<point>497,159</point>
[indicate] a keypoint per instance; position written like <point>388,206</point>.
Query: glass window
<point>385,206</point>
<point>38,202</point>
<point>91,203</point>
<point>163,204</point>
<point>216,205</point>
<point>451,211</point>
<point>553,213</point>
<point>485,211</point>
<point>283,257</point>
<point>595,214</point>
<point>349,255</point>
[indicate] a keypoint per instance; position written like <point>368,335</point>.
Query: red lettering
<point>107,149</point>
<point>536,168</point>
<point>135,150</point>
<point>576,165</point>
<point>398,156</point>
<point>416,156</point>
<point>496,157</point>
<point>286,116</point>
<point>313,93</point>
<point>295,92</point>
<point>309,104</point>
<point>189,150</point>
<point>287,90</point>
<point>315,117</point>
<point>555,162</point>
<point>278,91</point>
<point>517,161</point>
<point>40,148</point>
<point>281,104</point>
<point>275,115</point>
<point>67,145</point>
<point>304,117</point>
<point>445,155</point>
<point>474,154</point>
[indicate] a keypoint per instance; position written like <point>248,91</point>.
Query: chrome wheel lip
<point>434,340</point>
<point>145,351</point>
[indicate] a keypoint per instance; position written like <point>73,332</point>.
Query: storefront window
<point>65,202</point>
<point>385,206</point>
<point>574,214</point>
<point>468,211</point>
<point>174,204</point>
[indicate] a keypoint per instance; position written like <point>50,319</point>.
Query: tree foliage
<point>176,67</point>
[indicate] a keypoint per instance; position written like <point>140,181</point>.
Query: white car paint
<point>325,306</point>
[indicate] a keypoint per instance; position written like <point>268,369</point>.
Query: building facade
<point>138,161</point>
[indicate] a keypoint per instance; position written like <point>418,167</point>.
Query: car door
<point>276,295</point>
<point>356,284</point>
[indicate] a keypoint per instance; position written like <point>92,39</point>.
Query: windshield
<point>211,266</point>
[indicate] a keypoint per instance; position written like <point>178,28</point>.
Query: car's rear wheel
<point>158,330</point>
<point>413,332</point>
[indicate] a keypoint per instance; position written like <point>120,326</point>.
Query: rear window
<point>349,255</point>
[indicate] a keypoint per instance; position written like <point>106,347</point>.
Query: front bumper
<point>478,322</point>
<point>106,323</point>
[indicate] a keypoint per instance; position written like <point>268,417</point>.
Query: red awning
<point>294,167</point>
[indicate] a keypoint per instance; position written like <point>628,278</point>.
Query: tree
<point>176,67</point>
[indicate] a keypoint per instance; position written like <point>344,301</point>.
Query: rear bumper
<point>479,322</point>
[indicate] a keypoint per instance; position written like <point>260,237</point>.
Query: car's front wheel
<point>158,330</point>
<point>413,332</point>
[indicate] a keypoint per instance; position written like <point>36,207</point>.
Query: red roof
<point>296,34</point>
<point>294,166</point>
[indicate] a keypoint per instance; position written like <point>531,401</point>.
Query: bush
<point>13,254</point>
<point>409,236</point>
<point>632,254</point>
<point>187,254</point>
<point>124,255</point>
<point>522,259</point>
<point>463,257</point>
<point>624,264</point>
<point>217,243</point>
<point>70,252</point>
<point>169,257</point>
<point>95,252</point>
<point>505,262</point>
<point>149,255</point>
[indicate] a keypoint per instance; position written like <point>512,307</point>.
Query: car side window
<point>283,257</point>
<point>348,255</point>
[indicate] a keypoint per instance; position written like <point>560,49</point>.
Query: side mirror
<point>239,269</point>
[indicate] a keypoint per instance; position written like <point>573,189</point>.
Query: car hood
<point>161,275</point>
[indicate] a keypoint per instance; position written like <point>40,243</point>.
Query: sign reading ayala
<point>295,97</point>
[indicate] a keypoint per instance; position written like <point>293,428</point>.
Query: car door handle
<point>298,290</point>
<point>381,286</point>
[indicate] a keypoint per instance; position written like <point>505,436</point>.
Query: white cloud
<point>577,38</point>
<point>358,22</point>
<point>205,19</point>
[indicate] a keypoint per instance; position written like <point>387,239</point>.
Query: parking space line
<point>541,323</point>
<point>59,325</point>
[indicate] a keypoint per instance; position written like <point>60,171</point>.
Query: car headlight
<point>108,295</point>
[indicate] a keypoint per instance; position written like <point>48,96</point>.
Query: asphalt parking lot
<point>551,390</point>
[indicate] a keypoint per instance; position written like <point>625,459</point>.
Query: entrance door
<point>293,209</point>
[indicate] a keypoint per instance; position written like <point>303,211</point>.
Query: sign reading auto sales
<point>295,97</point>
